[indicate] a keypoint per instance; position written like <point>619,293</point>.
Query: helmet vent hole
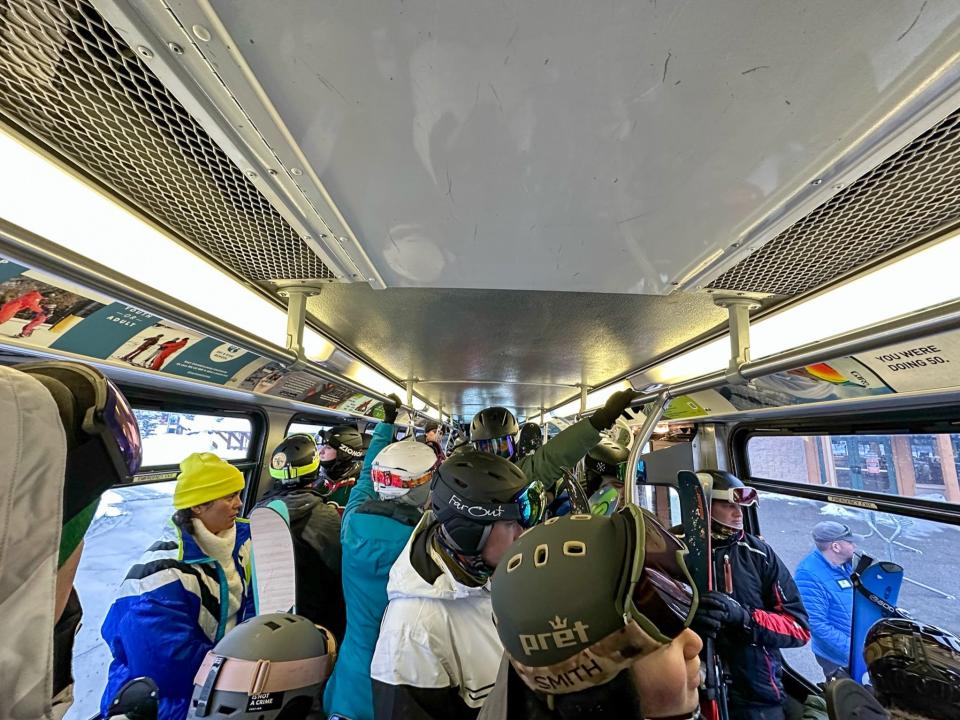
<point>514,562</point>
<point>291,620</point>
<point>272,625</point>
<point>540,555</point>
<point>574,548</point>
<point>552,520</point>
<point>226,710</point>
<point>581,516</point>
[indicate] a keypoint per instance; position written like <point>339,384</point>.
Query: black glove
<point>390,409</point>
<point>717,611</point>
<point>605,417</point>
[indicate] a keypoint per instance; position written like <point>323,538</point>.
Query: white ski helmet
<point>267,666</point>
<point>401,468</point>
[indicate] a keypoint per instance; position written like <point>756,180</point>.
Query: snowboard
<point>695,520</point>
<point>274,564</point>
<point>876,589</point>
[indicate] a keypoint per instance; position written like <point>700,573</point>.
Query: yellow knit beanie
<point>204,477</point>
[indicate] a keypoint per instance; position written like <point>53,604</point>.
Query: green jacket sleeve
<point>363,490</point>
<point>563,451</point>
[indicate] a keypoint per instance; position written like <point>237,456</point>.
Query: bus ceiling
<point>505,203</point>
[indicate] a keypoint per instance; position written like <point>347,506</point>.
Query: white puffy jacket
<point>438,650</point>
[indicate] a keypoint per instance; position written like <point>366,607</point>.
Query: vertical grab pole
<point>641,438</point>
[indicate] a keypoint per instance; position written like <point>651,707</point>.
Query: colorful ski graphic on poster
<point>155,346</point>
<point>37,312</point>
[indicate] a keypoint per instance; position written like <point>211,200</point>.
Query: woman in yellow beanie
<point>188,589</point>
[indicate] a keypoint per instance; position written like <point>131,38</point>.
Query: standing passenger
<point>825,580</point>
<point>594,614</point>
<point>495,430</point>
<point>438,651</point>
<point>315,529</point>
<point>341,458</point>
<point>756,608</point>
<point>382,511</point>
<point>187,591</point>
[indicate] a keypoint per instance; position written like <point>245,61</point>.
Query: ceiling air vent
<point>70,81</point>
<point>911,193</point>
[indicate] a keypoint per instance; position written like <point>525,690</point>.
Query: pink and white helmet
<point>402,467</point>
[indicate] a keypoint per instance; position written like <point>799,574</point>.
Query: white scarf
<point>220,548</point>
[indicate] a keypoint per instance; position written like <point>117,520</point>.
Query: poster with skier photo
<point>259,376</point>
<point>35,310</point>
<point>156,346</point>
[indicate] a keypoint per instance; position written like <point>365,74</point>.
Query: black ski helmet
<point>915,667</point>
<point>295,461</point>
<point>530,439</point>
<point>561,638</point>
<point>495,430</point>
<point>606,456</point>
<point>472,490</point>
<point>347,441</point>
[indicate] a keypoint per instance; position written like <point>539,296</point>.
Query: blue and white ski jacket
<point>168,614</point>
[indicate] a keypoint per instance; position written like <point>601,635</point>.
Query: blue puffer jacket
<point>827,593</point>
<point>371,544</point>
<point>168,614</point>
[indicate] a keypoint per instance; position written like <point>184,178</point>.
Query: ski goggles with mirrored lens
<point>383,477</point>
<point>737,495</point>
<point>658,590</point>
<point>504,446</point>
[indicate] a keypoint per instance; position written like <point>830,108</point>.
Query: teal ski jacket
<point>371,544</point>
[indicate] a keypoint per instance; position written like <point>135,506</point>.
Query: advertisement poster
<point>105,330</point>
<point>156,346</point>
<point>34,310</point>
<point>920,365</point>
<point>251,376</point>
<point>839,379</point>
<point>359,403</point>
<point>209,360</point>
<point>700,404</point>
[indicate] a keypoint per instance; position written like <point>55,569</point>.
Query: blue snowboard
<point>876,589</point>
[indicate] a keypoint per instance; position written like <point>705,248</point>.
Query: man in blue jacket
<point>823,578</point>
<point>384,507</point>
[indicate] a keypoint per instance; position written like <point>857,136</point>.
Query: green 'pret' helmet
<point>561,638</point>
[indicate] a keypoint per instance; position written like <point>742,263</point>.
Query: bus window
<point>931,586</point>
<point>911,466</point>
<point>132,517</point>
<point>168,437</point>
<point>309,428</point>
<point>662,501</point>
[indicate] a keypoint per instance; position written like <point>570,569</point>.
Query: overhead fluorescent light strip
<point>49,201</point>
<point>922,279</point>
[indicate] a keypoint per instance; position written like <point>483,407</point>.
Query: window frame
<point>923,509</point>
<point>147,399</point>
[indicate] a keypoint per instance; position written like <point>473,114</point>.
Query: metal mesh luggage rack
<point>68,79</point>
<point>912,192</point>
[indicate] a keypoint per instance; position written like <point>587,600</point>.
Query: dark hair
<point>183,519</point>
